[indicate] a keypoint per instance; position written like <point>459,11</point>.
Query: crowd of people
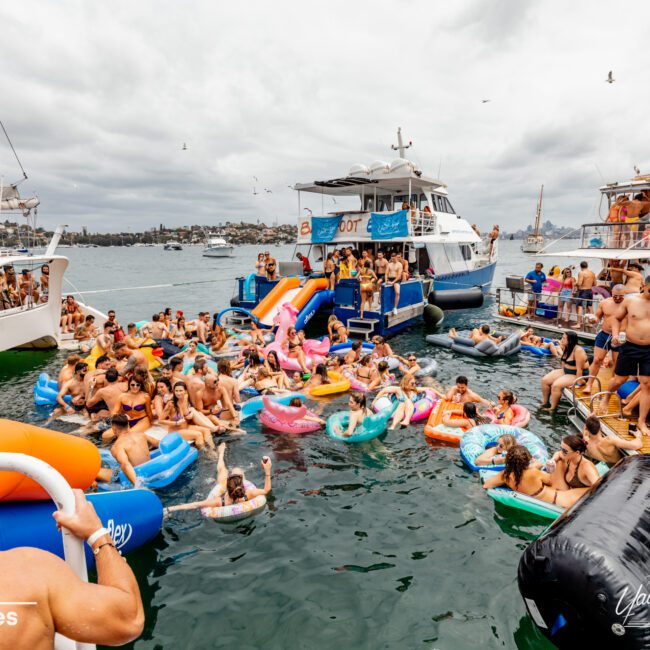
<point>20,289</point>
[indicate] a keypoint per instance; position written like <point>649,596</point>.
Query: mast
<point>401,147</point>
<point>538,216</point>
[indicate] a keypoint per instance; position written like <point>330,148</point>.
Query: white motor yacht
<point>217,247</point>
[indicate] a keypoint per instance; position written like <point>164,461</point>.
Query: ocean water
<point>387,544</point>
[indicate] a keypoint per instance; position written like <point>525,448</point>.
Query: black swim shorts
<point>633,360</point>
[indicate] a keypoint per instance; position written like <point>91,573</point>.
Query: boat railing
<point>625,236</point>
<point>546,307</point>
<point>421,223</point>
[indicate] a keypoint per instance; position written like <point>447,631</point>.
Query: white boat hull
<point>225,251</point>
<point>532,248</point>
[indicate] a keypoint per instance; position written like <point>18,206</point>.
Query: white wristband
<point>96,535</point>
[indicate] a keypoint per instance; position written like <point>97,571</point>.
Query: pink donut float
<point>521,418</point>
<point>287,419</point>
<point>355,382</point>
<point>423,405</point>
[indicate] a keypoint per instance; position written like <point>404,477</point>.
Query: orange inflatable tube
<point>310,288</point>
<point>274,295</point>
<point>434,427</point>
<point>76,459</point>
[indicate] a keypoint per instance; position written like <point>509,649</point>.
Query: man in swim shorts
<point>77,391</point>
<point>105,340</point>
<point>634,355</point>
<point>203,328</point>
<point>380,267</point>
<point>478,334</point>
<point>393,277</point>
<point>584,285</point>
<point>603,343</point>
<point>535,279</point>
<point>213,400</point>
<point>104,398</point>
<point>86,333</point>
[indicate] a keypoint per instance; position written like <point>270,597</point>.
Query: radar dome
<point>401,165</point>
<point>379,167</point>
<point>358,170</point>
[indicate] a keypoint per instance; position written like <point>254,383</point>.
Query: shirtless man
<point>104,398</point>
<point>405,266</point>
<point>229,383</point>
<point>97,377</point>
<point>633,278</point>
<point>132,339</point>
<point>196,382</point>
<point>86,333</point>
<point>381,263</point>
<point>461,393</point>
<point>606,448</point>
<point>105,340</point>
<point>109,612</point>
<point>478,335</point>
<point>67,372</point>
<point>270,266</point>
<point>213,400</point>
<point>131,357</point>
<point>130,449</point>
<point>584,285</point>
<point>157,328</point>
<point>634,355</point>
<point>382,349</point>
<point>354,353</point>
<point>203,328</point>
<point>77,391</point>
<point>28,287</point>
<point>112,319</point>
<point>603,343</point>
<point>393,277</point>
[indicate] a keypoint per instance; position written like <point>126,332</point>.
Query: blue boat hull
<point>466,279</point>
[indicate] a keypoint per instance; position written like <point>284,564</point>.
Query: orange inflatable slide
<point>434,427</point>
<point>76,459</point>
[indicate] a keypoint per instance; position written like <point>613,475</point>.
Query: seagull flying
<point>636,169</point>
<point>485,101</point>
<point>268,191</point>
<point>610,79</point>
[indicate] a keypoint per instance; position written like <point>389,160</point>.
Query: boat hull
<point>481,277</point>
<point>532,248</point>
<point>227,251</point>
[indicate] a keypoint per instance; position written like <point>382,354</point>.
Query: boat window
<point>423,201</point>
<point>437,205</point>
<point>449,207</point>
<point>384,203</point>
<point>466,251</point>
<point>368,203</point>
<point>398,200</point>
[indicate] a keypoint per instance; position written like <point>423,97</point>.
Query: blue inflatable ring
<point>46,390</point>
<point>167,463</point>
<point>475,441</point>
<point>371,427</point>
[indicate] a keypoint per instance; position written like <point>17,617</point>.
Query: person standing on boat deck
<point>493,236</point>
<point>535,279</point>
<point>566,295</point>
<point>380,267</point>
<point>329,269</point>
<point>270,266</point>
<point>306,266</point>
<point>28,286</point>
<point>393,277</point>
<point>203,328</point>
<point>603,343</point>
<point>584,285</point>
<point>45,282</point>
<point>260,265</point>
<point>634,356</point>
<point>108,613</point>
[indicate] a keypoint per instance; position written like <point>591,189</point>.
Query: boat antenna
<point>602,178</point>
<point>401,147</point>
<point>15,154</point>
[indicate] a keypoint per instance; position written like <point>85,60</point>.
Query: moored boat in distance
<point>173,246</point>
<point>216,246</point>
<point>535,241</point>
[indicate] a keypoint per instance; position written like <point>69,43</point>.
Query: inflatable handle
<point>239,309</point>
<point>63,496</point>
<point>282,412</point>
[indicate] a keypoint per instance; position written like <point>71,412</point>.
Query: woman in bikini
<point>337,331</point>
<point>329,269</point>
<point>572,470</point>
<point>497,455</point>
<point>359,411</point>
<point>574,364</point>
<point>405,394</point>
<point>520,477</point>
<point>232,485</point>
<point>566,295</point>
<point>266,384</point>
<point>386,378</point>
<point>272,365</point>
<point>136,405</point>
<point>367,282</point>
<point>180,416</point>
<point>319,377</point>
<point>469,419</point>
<point>366,372</point>
<point>260,265</point>
<point>249,376</point>
<point>293,346</point>
<point>503,410</point>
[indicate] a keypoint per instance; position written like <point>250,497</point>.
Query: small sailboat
<point>535,241</point>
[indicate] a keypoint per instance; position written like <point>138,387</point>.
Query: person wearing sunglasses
<point>569,468</point>
<point>136,405</point>
<point>232,485</point>
<point>497,455</point>
<point>408,365</point>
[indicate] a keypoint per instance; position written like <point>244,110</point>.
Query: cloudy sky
<point>99,97</point>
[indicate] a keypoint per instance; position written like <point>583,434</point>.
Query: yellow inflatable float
<point>146,349</point>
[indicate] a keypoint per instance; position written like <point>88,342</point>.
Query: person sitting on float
<point>496,455</point>
<point>503,410</point>
<point>293,346</point>
<point>382,349</point>
<point>461,393</point>
<point>575,364</point>
<point>569,468</point>
<point>406,394</point>
<point>528,337</point>
<point>232,484</point>
<point>519,476</point>
<point>319,377</point>
<point>384,374</point>
<point>471,417</point>
<point>296,402</point>
<point>359,411</point>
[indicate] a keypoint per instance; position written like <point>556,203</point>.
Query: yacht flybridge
<point>620,238</point>
<point>383,207</point>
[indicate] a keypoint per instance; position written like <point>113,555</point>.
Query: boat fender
<point>433,315</point>
<point>457,298</point>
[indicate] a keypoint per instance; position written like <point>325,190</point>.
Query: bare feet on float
<point>452,334</point>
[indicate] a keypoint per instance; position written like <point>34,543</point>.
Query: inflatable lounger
<point>166,464</point>
<point>132,517</point>
<point>585,580</point>
<point>463,344</point>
